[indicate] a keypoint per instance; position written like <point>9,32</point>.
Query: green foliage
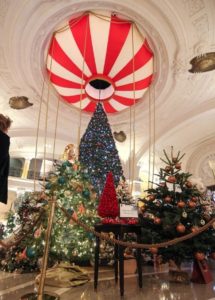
<point>70,185</point>
<point>175,207</point>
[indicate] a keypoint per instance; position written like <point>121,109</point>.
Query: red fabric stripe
<point>108,107</point>
<point>60,56</point>
<point>117,36</point>
<point>139,85</point>
<point>140,59</point>
<point>74,99</point>
<point>62,82</point>
<point>80,31</point>
<point>90,107</point>
<point>125,101</point>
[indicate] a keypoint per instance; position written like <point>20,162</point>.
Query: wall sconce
<point>203,63</point>
<point>119,136</point>
<point>19,102</point>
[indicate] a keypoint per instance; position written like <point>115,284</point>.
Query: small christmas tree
<point>98,150</point>
<point>173,208</point>
<point>123,194</point>
<point>70,185</point>
<point>108,205</point>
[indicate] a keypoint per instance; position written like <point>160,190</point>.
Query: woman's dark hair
<point>5,122</point>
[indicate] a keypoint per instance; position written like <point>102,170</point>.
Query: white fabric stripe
<point>99,30</point>
<point>118,106</point>
<point>130,94</point>
<point>140,74</point>
<point>84,103</point>
<point>67,91</point>
<point>58,70</point>
<point>68,44</point>
<point>126,52</point>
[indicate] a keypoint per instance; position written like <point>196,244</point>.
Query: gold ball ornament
<point>67,193</point>
<point>73,183</point>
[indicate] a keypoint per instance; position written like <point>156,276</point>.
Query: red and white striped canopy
<point>98,58</point>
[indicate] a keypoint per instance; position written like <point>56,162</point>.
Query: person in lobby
<point>5,123</point>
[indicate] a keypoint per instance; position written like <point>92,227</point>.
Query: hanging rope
<point>154,125</point>
<point>82,84</point>
<point>55,132</point>
<point>150,142</point>
<point>133,109</point>
<point>37,135</point>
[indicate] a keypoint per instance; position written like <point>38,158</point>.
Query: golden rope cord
<point>55,131</point>
<point>104,236</point>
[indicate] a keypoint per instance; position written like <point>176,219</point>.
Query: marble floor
<point>156,286</point>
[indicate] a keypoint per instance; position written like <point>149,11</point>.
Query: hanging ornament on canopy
<point>100,58</point>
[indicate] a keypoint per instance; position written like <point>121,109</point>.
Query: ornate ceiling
<point>179,109</point>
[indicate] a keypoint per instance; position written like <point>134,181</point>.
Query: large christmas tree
<point>98,150</point>
<point>70,185</point>
<point>174,207</point>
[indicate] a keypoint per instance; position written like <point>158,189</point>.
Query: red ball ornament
<point>168,199</point>
<point>199,256</point>
<point>180,228</point>
<point>178,166</point>
<point>132,221</point>
<point>192,204</point>
<point>157,221</point>
<point>188,184</point>
<point>168,168</point>
<point>171,179</point>
<point>181,204</point>
<point>194,199</point>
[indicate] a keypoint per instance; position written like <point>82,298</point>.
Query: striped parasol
<point>100,58</point>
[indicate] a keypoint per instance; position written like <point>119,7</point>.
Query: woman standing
<point>5,123</point>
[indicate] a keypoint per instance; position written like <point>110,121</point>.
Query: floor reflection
<point>155,287</point>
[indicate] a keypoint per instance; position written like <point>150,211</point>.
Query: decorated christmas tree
<point>70,186</point>
<point>98,150</point>
<point>174,207</point>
